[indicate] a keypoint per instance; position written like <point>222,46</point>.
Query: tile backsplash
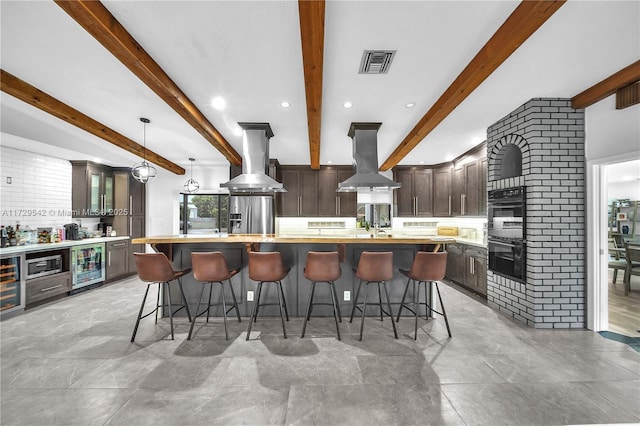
<point>35,189</point>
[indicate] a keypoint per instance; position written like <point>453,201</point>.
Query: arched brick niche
<point>509,158</point>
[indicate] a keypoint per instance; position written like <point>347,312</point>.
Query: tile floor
<point>71,363</point>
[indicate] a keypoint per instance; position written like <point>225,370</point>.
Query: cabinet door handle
<point>119,245</point>
<point>462,198</point>
<point>51,288</point>
<point>449,204</point>
<point>109,258</point>
<point>130,225</point>
<point>472,265</point>
<point>130,203</point>
<point>337,206</point>
<point>299,205</point>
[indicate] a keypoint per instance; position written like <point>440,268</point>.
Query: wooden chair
<point>616,262</point>
<point>632,253</point>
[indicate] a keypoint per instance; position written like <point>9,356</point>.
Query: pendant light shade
<point>143,172</point>
<point>191,185</point>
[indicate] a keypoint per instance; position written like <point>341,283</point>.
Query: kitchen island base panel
<point>296,287</point>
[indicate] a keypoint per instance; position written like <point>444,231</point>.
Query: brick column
<point>550,136</point>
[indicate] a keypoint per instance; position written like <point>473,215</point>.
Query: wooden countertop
<point>289,239</point>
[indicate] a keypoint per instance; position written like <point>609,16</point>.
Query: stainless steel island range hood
<point>255,161</point>
<point>365,161</point>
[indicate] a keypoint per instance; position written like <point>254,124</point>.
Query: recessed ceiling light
<point>285,104</point>
<point>348,104</point>
<point>97,160</point>
<point>237,130</point>
<point>448,157</point>
<point>218,103</point>
<point>410,105</point>
<point>329,162</point>
<point>420,162</point>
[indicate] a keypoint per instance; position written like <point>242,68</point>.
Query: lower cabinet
<point>117,262</point>
<point>48,286</point>
<point>467,266</point>
<point>476,269</point>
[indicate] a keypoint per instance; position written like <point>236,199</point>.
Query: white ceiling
<point>249,52</point>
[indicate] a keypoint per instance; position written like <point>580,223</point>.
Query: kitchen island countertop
<point>291,239</point>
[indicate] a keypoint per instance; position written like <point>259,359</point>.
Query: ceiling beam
<point>607,87</point>
<point>312,37</point>
<point>104,27</point>
<point>22,90</point>
<point>519,26</point>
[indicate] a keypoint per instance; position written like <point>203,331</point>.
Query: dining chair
<point>616,262</point>
<point>632,253</point>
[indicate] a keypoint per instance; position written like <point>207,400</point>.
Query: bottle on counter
<point>4,237</point>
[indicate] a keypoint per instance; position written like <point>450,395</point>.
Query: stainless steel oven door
<point>508,258</point>
<point>506,221</point>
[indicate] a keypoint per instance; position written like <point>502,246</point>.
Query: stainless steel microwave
<point>42,266</point>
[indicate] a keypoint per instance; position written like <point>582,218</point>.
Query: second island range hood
<point>255,161</point>
<point>365,161</point>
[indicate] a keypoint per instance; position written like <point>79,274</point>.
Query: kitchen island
<point>294,249</point>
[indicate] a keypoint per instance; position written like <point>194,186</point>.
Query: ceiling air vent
<point>376,61</point>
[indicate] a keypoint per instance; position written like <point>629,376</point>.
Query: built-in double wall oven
<point>507,232</point>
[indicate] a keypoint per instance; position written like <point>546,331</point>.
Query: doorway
<point>613,187</point>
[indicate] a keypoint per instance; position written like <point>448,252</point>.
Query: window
<point>204,213</point>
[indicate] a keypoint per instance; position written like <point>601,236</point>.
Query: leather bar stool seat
<point>155,268</point>
<point>427,267</point>
<point>267,267</point>
<point>323,267</point>
<point>374,267</point>
<point>210,268</point>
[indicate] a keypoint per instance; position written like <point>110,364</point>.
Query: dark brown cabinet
<point>130,209</point>
<point>455,263</point>
<point>442,191</point>
<point>330,202</point>
<point>469,183</point>
<point>117,262</point>
<point>467,266</point>
<point>414,197</point>
<point>476,270</point>
<point>482,191</point>
<point>301,198</point>
<point>92,189</point>
<point>312,193</point>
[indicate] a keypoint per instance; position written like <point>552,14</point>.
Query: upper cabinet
<point>414,197</point>
<point>312,193</point>
<point>442,191</point>
<point>452,189</point>
<point>301,198</point>
<point>92,192</point>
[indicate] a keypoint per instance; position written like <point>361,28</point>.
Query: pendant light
<point>191,185</point>
<point>144,171</point>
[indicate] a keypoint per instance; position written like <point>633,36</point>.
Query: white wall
<point>624,190</point>
<point>611,132</point>
<point>163,196</point>
<point>39,194</point>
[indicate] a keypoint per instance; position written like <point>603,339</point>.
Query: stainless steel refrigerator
<point>251,214</point>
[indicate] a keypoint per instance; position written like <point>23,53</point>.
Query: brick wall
<point>550,135</point>
<point>40,190</point>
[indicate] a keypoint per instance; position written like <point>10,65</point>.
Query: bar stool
<point>374,267</point>
<point>267,267</point>
<point>212,268</point>
<point>427,267</point>
<point>155,268</point>
<point>323,267</point>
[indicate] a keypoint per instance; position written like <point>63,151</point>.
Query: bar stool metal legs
<point>267,267</point>
<point>155,268</point>
<point>211,268</point>
<point>323,267</point>
<point>427,267</point>
<point>374,267</point>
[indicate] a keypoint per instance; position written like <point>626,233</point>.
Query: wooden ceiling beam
<point>22,90</point>
<point>607,87</point>
<point>312,37</point>
<point>104,27</point>
<point>519,26</point>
